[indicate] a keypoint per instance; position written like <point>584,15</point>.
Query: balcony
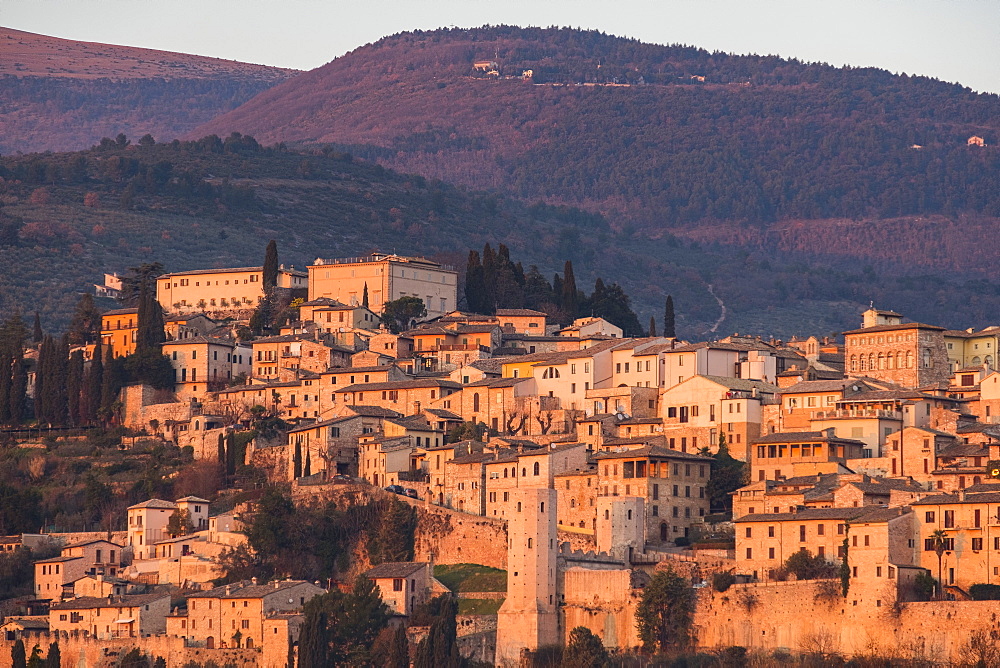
<point>855,413</point>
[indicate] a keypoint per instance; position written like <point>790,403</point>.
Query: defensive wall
<point>811,616</point>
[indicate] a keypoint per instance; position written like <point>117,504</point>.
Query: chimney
<point>229,589</point>
<point>416,407</point>
<point>961,495</point>
<point>253,580</point>
<point>277,584</point>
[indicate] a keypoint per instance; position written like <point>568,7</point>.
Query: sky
<point>953,40</point>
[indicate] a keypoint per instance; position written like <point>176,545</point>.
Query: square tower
<point>528,618</point>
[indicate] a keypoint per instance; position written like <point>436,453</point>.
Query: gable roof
<point>394,569</point>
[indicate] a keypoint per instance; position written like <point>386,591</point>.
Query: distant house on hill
<point>976,141</point>
<point>485,65</point>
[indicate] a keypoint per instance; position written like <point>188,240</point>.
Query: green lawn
<point>478,606</point>
<point>471,577</point>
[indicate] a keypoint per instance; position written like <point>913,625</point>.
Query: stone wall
<point>79,650</point>
<point>450,536</point>
<point>804,616</point>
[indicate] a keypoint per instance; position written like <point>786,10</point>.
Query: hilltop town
<point>528,479</point>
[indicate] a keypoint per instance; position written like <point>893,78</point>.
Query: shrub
<point>805,566</point>
<point>683,541</point>
<point>985,592</point>
<point>723,580</point>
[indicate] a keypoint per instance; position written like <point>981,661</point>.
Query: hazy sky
<point>957,40</point>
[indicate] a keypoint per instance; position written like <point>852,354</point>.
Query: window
<point>397,584</point>
<point>949,519</point>
<point>977,544</point>
<point>770,530</point>
<point>749,532</point>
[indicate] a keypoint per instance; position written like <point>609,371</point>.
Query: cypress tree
<point>150,331</point>
<point>669,328</point>
<point>652,326</point>
<point>230,455</point>
<point>475,284</point>
<point>557,290</point>
<point>270,273</point>
<point>297,461</point>
<point>6,369</point>
<point>74,387</point>
<point>53,659</point>
<point>314,640</point>
<point>41,380</point>
<point>222,450</point>
<point>110,385</point>
<point>364,296</point>
<point>307,470</point>
<point>489,280</point>
<point>18,658</point>
<point>18,389</point>
<point>569,292</point>
<point>37,334</point>
<point>95,381</point>
<point>58,381</point>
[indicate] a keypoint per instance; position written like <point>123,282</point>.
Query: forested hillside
<point>68,217</point>
<point>59,94</point>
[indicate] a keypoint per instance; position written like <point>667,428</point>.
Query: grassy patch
<point>479,606</point>
<point>471,577</point>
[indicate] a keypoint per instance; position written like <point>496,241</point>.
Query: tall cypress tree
<point>297,461</point>
<point>222,451</point>
<point>18,389</point>
<point>364,296</point>
<point>37,332</point>
<point>270,272</point>
<point>475,284</point>
<point>6,379</point>
<point>314,642</point>
<point>42,367</point>
<point>95,381</point>
<point>59,381</point>
<point>86,323</point>
<point>111,385</point>
<point>489,280</point>
<point>150,327</point>
<point>569,292</point>
<point>669,327</point>
<point>74,389</point>
<point>652,326</point>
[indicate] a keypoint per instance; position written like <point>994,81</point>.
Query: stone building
<point>673,485</point>
<point>387,277</point>
<point>786,455</point>
<point>128,616</point>
<point>236,615</point>
<point>909,354</point>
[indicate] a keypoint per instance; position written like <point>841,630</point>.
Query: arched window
<point>536,468</point>
<point>871,362</point>
<point>927,359</point>
<point>630,514</point>
<point>862,365</point>
<point>909,359</point>
<point>572,503</point>
<point>518,506</point>
<point>881,361</point>
<point>890,361</point>
<point>854,362</point>
<point>607,515</point>
<point>524,472</point>
<point>475,402</point>
<point>663,531</point>
<point>988,361</point>
<point>505,472</point>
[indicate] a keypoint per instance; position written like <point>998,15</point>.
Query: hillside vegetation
<point>67,217</point>
<point>59,94</point>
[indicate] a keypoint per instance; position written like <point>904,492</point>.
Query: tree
<point>340,629</point>
<point>669,324</point>
<point>393,538</point>
<point>94,382</point>
<point>221,454</point>
<point>400,314</point>
<point>728,475</point>
<point>570,301</point>
<point>845,566</point>
<point>135,278</point>
<point>314,643</point>
<point>585,650</point>
<point>489,303</point>
<point>37,334</point>
<point>74,389</point>
<point>307,468</point>
<point>364,296</point>
<point>18,659</point>
<point>806,566</point>
<point>297,460</point>
<point>86,323</point>
<point>391,648</point>
<point>439,649</point>
<point>180,523</point>
<point>665,612</point>
<point>150,325</point>
<point>939,543</point>
<point>652,326</point>
<point>270,272</point>
<point>475,284</point>
<point>53,659</point>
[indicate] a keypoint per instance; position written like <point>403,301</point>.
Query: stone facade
<point>912,355</point>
